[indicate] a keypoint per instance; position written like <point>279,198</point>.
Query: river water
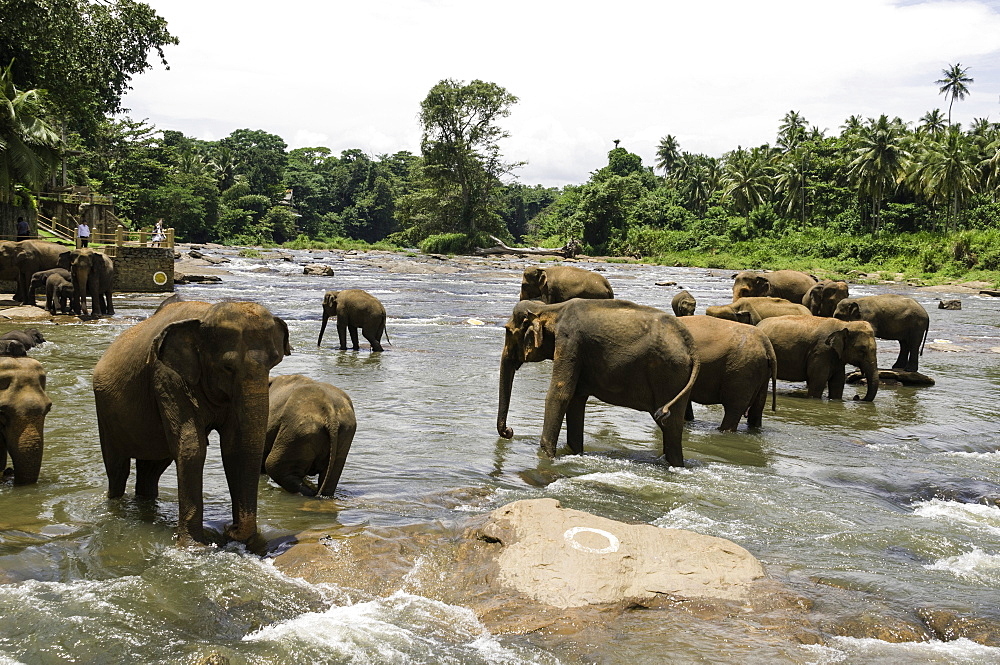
<point>865,510</point>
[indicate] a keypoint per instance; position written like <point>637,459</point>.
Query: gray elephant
<point>29,337</point>
<point>12,348</point>
<point>552,284</point>
<point>816,350</point>
<point>166,382</point>
<point>788,284</point>
<point>24,405</point>
<point>620,352</point>
<point>24,259</point>
<point>683,304</point>
<point>39,279</point>
<point>823,297</point>
<point>891,316</point>
<point>58,294</point>
<point>736,363</point>
<point>92,274</point>
<point>355,309</point>
<point>754,309</point>
<point>310,427</point>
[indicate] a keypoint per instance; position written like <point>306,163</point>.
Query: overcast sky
<point>714,73</point>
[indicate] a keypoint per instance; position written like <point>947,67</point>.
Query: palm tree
<point>29,147</point>
<point>791,131</point>
<point>946,171</point>
<point>933,123</point>
<point>954,84</point>
<point>746,178</point>
<point>879,157</point>
<point>667,154</point>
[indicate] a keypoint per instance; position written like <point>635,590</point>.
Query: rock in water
<point>950,304</point>
<point>568,558</point>
<point>318,269</point>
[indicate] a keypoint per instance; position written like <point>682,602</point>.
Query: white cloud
<point>715,73</point>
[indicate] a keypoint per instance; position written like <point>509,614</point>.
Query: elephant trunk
<point>509,364</point>
<point>870,370</point>
<point>242,456</point>
<point>24,442</point>
<point>322,328</point>
<point>81,281</point>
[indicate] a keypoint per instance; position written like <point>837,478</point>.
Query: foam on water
<point>400,628</point>
<point>975,566</point>
<point>981,517</point>
<point>868,650</point>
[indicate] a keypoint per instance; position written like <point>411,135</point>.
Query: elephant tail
<point>340,434</point>
<point>925,338</point>
<point>385,330</point>
<point>664,411</point>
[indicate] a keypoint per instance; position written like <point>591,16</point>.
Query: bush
<point>453,243</point>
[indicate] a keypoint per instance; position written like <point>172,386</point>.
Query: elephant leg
<point>574,423</point>
<point>106,303</point>
<point>689,411</point>
<point>190,467</point>
<point>902,360</point>
<point>557,401</point>
<point>817,376</point>
<point>672,429</point>
<point>354,337</point>
<point>836,383</point>
<point>118,468</point>
<point>283,468</point>
<point>734,410</point>
<point>342,331</point>
<point>147,477</point>
<point>373,333</point>
<point>755,411</point>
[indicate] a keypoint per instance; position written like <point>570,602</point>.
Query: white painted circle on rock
<point>159,278</point>
<point>570,537</point>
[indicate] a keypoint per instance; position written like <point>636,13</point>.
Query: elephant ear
<point>330,302</point>
<point>177,347</point>
<point>850,311</point>
<point>534,333</point>
<point>283,327</point>
<point>837,341</point>
<point>64,260</point>
<point>762,285</point>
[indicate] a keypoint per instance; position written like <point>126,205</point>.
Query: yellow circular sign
<point>159,278</point>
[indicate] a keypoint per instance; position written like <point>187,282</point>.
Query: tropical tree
<point>946,172</point>
<point>29,148</point>
<point>791,131</point>
<point>879,156</point>
<point>933,123</point>
<point>667,154</point>
<point>954,84</point>
<point>462,160</point>
<point>747,178</point>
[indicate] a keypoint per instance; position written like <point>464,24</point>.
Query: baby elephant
<point>24,405</point>
<point>355,309</point>
<point>29,337</point>
<point>683,304</point>
<point>310,427</point>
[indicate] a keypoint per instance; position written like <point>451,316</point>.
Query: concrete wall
<point>136,268</point>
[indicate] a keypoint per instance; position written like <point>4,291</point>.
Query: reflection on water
<point>863,508</point>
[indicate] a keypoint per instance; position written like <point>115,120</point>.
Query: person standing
<point>83,233</point>
<point>158,235</point>
<point>22,229</point>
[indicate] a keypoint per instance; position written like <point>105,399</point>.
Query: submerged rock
<point>568,558</point>
<point>947,626</point>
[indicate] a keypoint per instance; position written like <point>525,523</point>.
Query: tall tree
<point>946,171</point>
<point>462,160</point>
<point>954,84</point>
<point>933,123</point>
<point>28,146</point>
<point>83,52</point>
<point>667,154</point>
<point>791,131</point>
<point>259,156</point>
<point>879,156</point>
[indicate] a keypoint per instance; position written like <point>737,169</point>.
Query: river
<point>865,509</point>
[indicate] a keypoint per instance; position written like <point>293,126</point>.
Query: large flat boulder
<point>568,558</point>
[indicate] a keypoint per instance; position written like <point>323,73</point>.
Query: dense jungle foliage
<point>879,195</point>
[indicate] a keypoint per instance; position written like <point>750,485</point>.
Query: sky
<point>716,74</point>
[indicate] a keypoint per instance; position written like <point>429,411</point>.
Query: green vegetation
<point>882,196</point>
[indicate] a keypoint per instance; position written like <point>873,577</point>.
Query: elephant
<point>552,284</point>
<point>310,427</point>
<point>166,382</point>
<point>683,304</point>
<point>620,352</point>
<point>788,284</point>
<point>815,349</point>
<point>29,337</point>
<point>38,280</point>
<point>753,310</point>
<point>12,348</point>
<point>24,405</point>
<point>736,362</point>
<point>24,259</point>
<point>822,298</point>
<point>355,309</point>
<point>92,274</point>
<point>892,316</point>
<point>58,291</point>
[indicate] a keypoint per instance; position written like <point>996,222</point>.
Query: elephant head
<point>528,337</point>
<point>87,272</point>
<point>533,283</point>
<point>739,312</point>
<point>748,284</point>
<point>847,310</point>
<point>23,407</point>
<point>857,347</point>
<point>329,309</point>
<point>683,304</point>
<point>211,372</point>
<point>822,299</point>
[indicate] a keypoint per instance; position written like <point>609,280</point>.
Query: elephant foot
<point>8,472</point>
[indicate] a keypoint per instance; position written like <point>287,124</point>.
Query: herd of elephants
<point>202,366</point>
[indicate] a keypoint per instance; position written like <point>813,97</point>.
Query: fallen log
<point>567,251</point>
